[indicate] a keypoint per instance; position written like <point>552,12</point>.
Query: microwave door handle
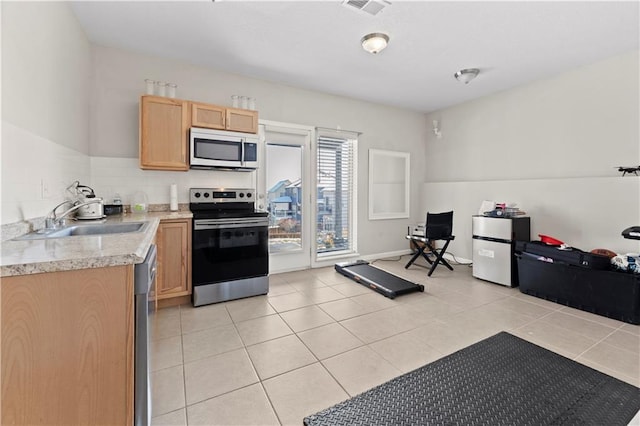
<point>242,153</point>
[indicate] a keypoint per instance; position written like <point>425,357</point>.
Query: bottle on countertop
<point>173,197</point>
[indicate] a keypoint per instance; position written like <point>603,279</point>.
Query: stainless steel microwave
<point>211,149</point>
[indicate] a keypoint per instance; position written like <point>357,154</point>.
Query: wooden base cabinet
<point>174,258</point>
<point>67,347</point>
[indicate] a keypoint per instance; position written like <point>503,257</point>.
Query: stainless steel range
<point>230,253</point>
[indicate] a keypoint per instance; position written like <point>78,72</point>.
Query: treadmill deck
<point>376,279</point>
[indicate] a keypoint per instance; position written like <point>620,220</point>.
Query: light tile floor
<point>318,338</point>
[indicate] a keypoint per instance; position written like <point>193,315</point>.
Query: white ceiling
<point>316,44</point>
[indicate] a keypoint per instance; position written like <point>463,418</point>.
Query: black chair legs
<point>420,251</point>
<point>439,258</point>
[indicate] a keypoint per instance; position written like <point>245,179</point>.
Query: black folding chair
<point>439,226</point>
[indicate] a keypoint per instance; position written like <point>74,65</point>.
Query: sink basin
<point>87,229</point>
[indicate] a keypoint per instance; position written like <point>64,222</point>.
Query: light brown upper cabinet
<point>242,120</point>
<point>207,116</point>
<point>218,117</point>
<point>164,128</point>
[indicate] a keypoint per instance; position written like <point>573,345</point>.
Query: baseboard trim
<point>370,258</point>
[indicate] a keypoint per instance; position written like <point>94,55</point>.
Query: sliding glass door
<point>284,196</point>
<point>307,183</point>
<point>284,188</point>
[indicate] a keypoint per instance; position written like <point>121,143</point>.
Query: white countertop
<point>25,257</point>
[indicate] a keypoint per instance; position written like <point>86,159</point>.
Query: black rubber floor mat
<point>502,380</point>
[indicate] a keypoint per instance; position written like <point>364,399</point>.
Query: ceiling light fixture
<point>467,75</point>
<point>374,42</point>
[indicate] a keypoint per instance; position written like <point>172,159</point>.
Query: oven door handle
<point>205,226</point>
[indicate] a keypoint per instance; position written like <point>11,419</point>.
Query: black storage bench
<point>604,292</point>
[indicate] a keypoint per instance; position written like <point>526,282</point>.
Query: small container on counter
<point>139,203</point>
<point>112,209</point>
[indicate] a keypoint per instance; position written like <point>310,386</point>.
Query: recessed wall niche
<point>388,184</point>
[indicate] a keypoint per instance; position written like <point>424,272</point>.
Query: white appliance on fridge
<point>494,247</point>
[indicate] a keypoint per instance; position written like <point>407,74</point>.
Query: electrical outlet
<point>45,192</point>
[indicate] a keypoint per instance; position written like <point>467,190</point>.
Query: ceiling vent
<point>372,7</point>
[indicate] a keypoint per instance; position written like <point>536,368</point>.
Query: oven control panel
<point>221,195</point>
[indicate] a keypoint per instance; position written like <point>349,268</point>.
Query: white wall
<point>46,66</point>
<point>123,176</point>
<point>114,132</point>
<point>550,146</point>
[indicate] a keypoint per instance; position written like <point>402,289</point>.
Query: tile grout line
<point>184,372</point>
<point>319,361</point>
<point>273,408</point>
<point>244,347</point>
<point>260,380</point>
<point>602,341</point>
<point>597,342</point>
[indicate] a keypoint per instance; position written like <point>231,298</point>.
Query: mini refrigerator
<point>494,247</point>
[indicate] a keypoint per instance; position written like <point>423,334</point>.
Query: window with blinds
<point>336,194</point>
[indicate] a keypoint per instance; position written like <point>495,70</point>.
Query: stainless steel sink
<point>87,229</point>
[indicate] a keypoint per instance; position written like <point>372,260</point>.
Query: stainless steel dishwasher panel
<point>144,277</point>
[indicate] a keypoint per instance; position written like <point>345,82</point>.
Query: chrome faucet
<point>54,222</point>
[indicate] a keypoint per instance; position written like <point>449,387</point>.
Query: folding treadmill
<point>376,279</point>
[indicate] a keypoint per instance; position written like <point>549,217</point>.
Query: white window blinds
<point>336,193</point>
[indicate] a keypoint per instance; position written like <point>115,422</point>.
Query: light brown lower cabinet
<point>173,278</point>
<point>67,347</point>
